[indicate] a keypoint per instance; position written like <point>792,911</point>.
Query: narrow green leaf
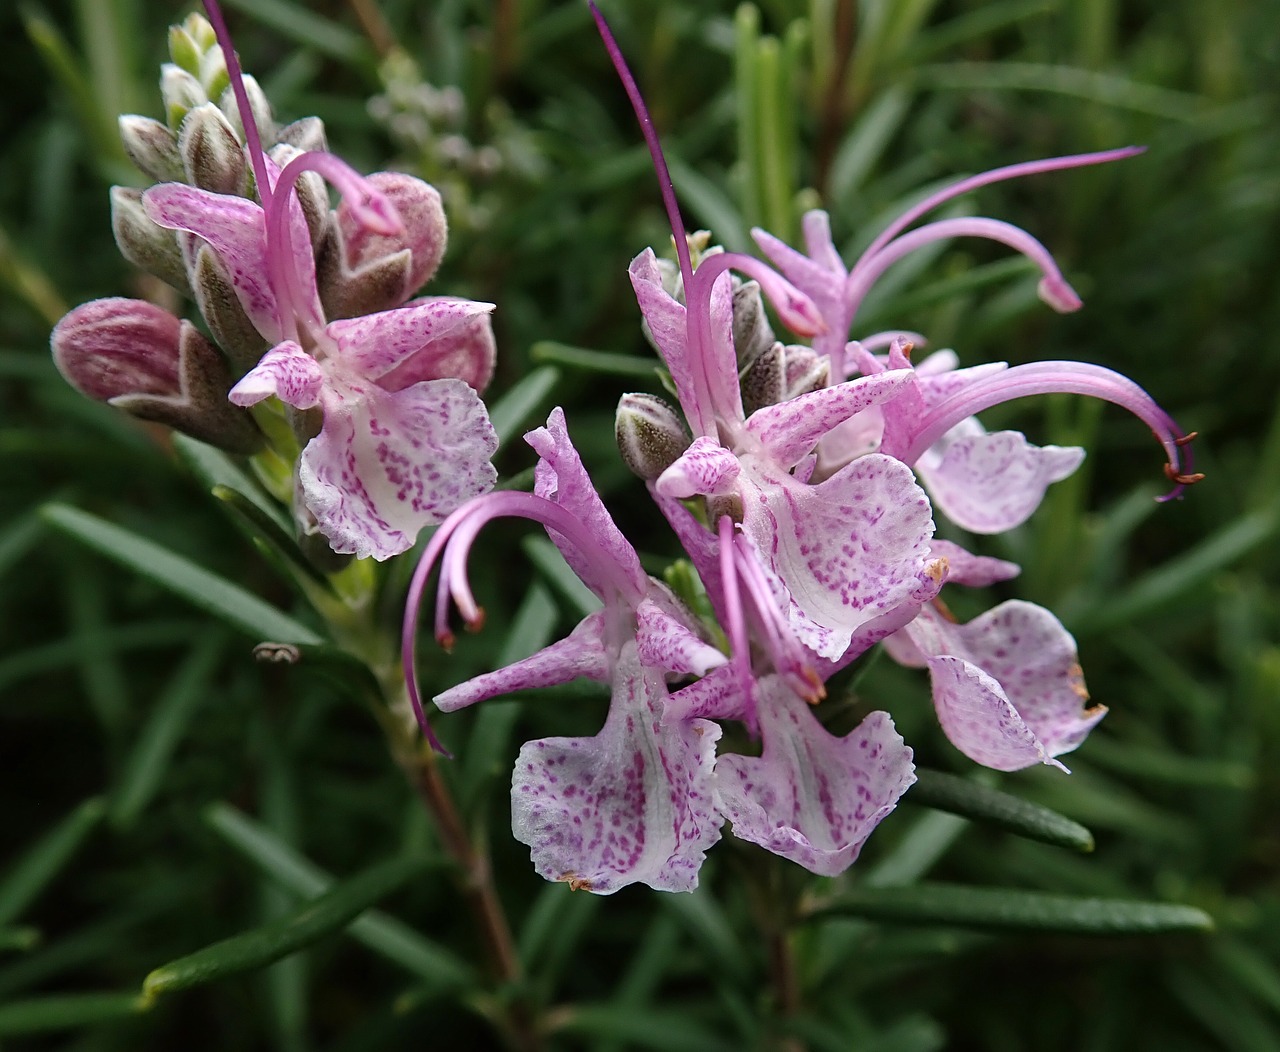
<point>644,1027</point>
<point>255,949</point>
<point>218,596</point>
<point>31,873</point>
<point>708,201</point>
<point>215,468</point>
<point>1009,909</point>
<point>510,412</point>
<point>149,761</point>
<point>66,1012</point>
<point>18,538</point>
<point>633,365</point>
<point>393,939</point>
<point>21,939</point>
<point>547,558</point>
<point>959,796</point>
<point>302,25</point>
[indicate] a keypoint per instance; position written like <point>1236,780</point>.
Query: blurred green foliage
<point>162,792</point>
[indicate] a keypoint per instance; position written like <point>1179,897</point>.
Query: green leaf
<point>959,796</point>
<point>644,1027</point>
<point>1009,909</point>
<point>547,558</point>
<point>255,949</point>
<point>215,468</point>
<point>509,413</point>
<point>393,939</point>
<point>184,578</point>
<point>149,761</point>
<point>20,939</point>
<point>66,1012</point>
<point>34,870</point>
<point>304,26</point>
<point>633,365</point>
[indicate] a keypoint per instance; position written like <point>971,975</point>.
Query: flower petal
<point>973,571</point>
<point>631,805</point>
<point>286,371</point>
<point>665,318</point>
<point>667,642</point>
<point>848,550</point>
<point>580,654</point>
<point>561,478</point>
<point>812,797</point>
<point>235,228</point>
<point>706,468</point>
<point>426,332</point>
<point>386,464</point>
<point>1007,685</point>
<point>989,483</point>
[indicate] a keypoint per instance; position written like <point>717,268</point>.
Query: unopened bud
<point>650,434</point>
<point>140,358</point>
<point>184,49</point>
<point>213,73</point>
<point>752,334</point>
<point>361,272</point>
<point>306,134</point>
<point>212,157</point>
<point>181,93</point>
<point>258,106</point>
<point>764,381</point>
<point>806,370</point>
<point>220,307</point>
<point>143,242</point>
<point>152,147</point>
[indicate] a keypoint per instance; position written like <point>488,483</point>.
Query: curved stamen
<point>451,545</point>
<point>996,175</point>
<point>369,206</point>
<point>1053,289</point>
<point>252,140</point>
<point>736,628</point>
<point>1059,378</point>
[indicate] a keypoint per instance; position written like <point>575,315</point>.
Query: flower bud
<point>765,380</point>
<point>220,307</point>
<point>306,134</point>
<point>152,147</point>
<point>650,434</point>
<point>752,334</point>
<point>184,50</point>
<point>140,358</point>
<point>362,272</point>
<point>212,157</point>
<point>181,93</point>
<point>258,106</point>
<point>142,242</point>
<point>805,369</point>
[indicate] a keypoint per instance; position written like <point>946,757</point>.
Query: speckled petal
<point>387,464</point>
<point>286,371</point>
<point>1007,685</point>
<point>560,477</point>
<point>631,805</point>
<point>580,654</point>
<point>665,318</point>
<point>989,483</point>
<point>812,797</point>
<point>848,550</point>
<point>376,344</point>
<point>235,228</point>
<point>973,571</point>
<point>706,468</point>
<point>666,642</point>
<point>789,430</point>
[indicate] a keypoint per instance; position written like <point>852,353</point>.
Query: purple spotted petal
<point>666,320</point>
<point>560,477</point>
<point>235,228</point>
<point>580,654</point>
<point>1007,685</point>
<point>386,464</point>
<point>468,352</point>
<point>989,483</point>
<point>848,550</point>
<point>376,344</point>
<point>286,371</point>
<point>812,797</point>
<point>631,805</point>
<point>666,641</point>
<point>974,571</point>
<point>789,430</point>
<point>820,275</point>
<point>706,468</point>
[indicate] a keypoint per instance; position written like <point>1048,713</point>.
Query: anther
<point>1186,439</point>
<point>1182,478</point>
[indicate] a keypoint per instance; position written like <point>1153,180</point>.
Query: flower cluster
<point>802,481</point>
<point>307,303</point>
